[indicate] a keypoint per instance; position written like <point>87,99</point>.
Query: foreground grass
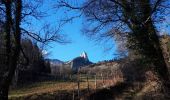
<point>40,87</point>
<point>47,87</point>
<point>52,90</point>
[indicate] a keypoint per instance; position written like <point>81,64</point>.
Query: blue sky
<point>96,52</point>
<point>79,43</point>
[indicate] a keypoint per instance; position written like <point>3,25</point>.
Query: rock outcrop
<point>79,62</point>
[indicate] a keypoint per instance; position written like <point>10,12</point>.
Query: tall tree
<point>14,13</point>
<point>11,58</point>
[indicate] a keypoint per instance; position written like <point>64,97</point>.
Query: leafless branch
<point>31,10</point>
<point>49,35</point>
<point>67,20</point>
<point>63,3</point>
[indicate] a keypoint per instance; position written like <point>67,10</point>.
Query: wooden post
<point>88,83</point>
<point>73,93</point>
<point>72,80</point>
<point>70,77</point>
<point>107,80</point>
<point>78,85</point>
<point>95,82</point>
<point>80,77</point>
<point>102,79</point>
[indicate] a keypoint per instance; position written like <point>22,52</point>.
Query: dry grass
<point>39,88</point>
<point>58,87</point>
<point>50,87</point>
<point>47,87</point>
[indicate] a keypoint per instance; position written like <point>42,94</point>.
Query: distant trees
<point>137,18</point>
<point>36,64</point>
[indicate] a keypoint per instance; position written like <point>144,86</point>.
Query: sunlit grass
<point>56,87</point>
<point>48,87</point>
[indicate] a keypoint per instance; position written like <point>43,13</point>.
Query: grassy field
<point>57,88</point>
<point>46,87</point>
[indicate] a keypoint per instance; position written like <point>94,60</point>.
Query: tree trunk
<point>151,48</point>
<point>8,30</point>
<point>159,62</point>
<point>145,36</point>
<point>7,81</point>
<point>154,40</point>
<point>4,88</point>
<point>15,56</point>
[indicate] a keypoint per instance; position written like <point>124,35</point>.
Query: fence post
<point>72,83</point>
<point>102,79</point>
<point>78,85</point>
<point>73,93</point>
<point>95,82</point>
<point>80,77</point>
<point>88,83</point>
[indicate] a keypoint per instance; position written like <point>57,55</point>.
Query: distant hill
<point>101,67</point>
<point>58,66</point>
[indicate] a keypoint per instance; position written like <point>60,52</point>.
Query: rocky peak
<point>84,55</point>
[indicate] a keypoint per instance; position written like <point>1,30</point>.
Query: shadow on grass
<point>111,93</point>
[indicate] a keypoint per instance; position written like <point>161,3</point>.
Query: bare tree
<point>138,18</point>
<point>14,14</point>
<point>11,58</point>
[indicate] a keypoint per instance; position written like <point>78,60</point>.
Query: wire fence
<point>88,83</point>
